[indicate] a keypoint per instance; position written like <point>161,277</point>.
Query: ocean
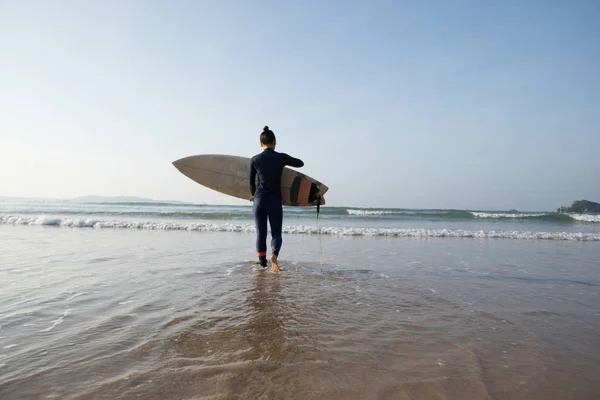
<point>164,301</point>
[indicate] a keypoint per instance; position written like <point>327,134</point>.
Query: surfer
<point>266,196</point>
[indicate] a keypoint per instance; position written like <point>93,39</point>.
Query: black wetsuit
<point>268,165</point>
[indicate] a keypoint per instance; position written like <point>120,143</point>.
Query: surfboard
<point>228,174</point>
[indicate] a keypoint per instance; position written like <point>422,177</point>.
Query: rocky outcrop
<point>581,207</point>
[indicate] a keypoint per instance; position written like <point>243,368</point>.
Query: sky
<point>414,104</point>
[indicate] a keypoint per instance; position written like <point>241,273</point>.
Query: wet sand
<point>178,315</point>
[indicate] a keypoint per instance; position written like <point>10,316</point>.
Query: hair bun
<point>266,129</point>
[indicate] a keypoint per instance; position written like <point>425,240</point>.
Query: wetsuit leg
<point>276,222</point>
<point>260,220</point>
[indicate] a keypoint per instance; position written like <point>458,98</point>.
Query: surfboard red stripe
<point>304,191</point>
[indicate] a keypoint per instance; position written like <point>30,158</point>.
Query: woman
<point>266,195</point>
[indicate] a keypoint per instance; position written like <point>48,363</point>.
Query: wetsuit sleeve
<point>252,178</point>
<point>294,162</point>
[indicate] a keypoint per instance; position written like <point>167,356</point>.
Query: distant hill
<point>121,199</point>
<point>98,199</point>
<point>581,206</point>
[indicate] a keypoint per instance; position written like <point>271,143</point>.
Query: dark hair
<point>267,136</point>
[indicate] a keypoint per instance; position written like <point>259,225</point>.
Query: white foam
<point>368,212</point>
<point>48,221</point>
<point>10,346</point>
<point>54,324</point>
<point>58,321</point>
<point>504,215</point>
<point>309,230</point>
<point>448,233</point>
<point>73,296</point>
<point>585,217</point>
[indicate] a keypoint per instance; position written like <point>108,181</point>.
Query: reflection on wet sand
<point>301,335</point>
<point>266,330</point>
<point>249,353</point>
<point>260,331</point>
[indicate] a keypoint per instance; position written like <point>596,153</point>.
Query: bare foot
<point>274,264</point>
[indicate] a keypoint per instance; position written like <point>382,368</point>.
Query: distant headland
<point>121,199</point>
<point>581,207</point>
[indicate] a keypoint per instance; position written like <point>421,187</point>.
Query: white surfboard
<point>229,175</point>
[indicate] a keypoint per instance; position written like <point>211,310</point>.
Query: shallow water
<point>109,313</point>
<point>334,221</point>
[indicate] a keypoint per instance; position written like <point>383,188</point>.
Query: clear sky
<point>420,104</point>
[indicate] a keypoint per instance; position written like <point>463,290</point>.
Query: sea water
<point>163,301</point>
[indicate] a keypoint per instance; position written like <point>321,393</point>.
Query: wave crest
<point>369,212</point>
<point>585,217</point>
<point>506,215</point>
<point>299,229</point>
<point>552,217</point>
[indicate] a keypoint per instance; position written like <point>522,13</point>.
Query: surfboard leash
<point>319,232</point>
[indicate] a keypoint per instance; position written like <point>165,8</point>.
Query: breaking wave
<point>552,217</point>
<point>585,217</point>
<point>506,215</point>
<point>297,229</point>
<point>410,214</point>
<point>466,215</point>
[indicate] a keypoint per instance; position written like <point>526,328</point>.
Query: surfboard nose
<point>181,161</point>
<point>178,164</point>
<point>186,162</point>
<point>183,165</point>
